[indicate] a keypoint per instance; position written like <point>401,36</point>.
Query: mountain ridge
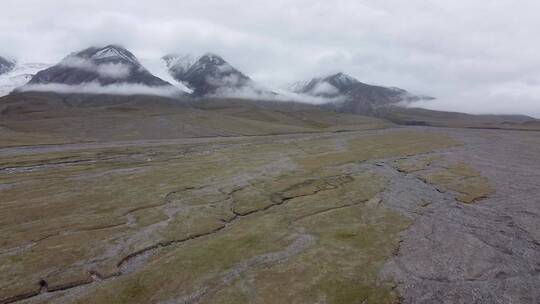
<point>352,95</point>
<point>114,70</point>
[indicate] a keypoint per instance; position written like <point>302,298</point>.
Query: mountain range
<point>109,69</point>
<point>104,93</point>
<point>114,70</point>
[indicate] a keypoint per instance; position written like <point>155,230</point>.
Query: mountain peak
<point>105,65</point>
<point>341,81</point>
<point>109,53</point>
<point>212,59</point>
<point>209,74</point>
<point>97,70</point>
<point>342,78</point>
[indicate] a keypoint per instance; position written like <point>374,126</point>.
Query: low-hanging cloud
<point>108,70</point>
<point>511,98</point>
<point>94,88</point>
<point>255,91</point>
<point>324,88</point>
<point>232,80</point>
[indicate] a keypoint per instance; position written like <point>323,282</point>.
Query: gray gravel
<point>487,252</point>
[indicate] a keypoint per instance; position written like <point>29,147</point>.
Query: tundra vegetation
<point>292,219</point>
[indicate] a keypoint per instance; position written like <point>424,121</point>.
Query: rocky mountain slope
<point>106,70</point>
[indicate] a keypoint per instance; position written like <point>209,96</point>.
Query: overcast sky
<point>475,56</point>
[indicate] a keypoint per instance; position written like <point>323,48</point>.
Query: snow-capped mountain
<point>107,70</point>
<point>209,75</point>
<point>6,65</point>
<point>19,75</point>
<point>354,96</point>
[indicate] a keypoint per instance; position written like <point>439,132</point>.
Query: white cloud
<point>255,91</point>
<point>324,88</point>
<point>114,70</point>
<point>109,69</point>
<point>78,63</point>
<point>96,88</point>
<point>508,98</point>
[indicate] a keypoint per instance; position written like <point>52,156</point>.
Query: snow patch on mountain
<point>114,52</point>
<point>177,64</point>
<point>19,76</point>
<point>160,68</point>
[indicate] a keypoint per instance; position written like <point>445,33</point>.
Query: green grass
<point>87,217</point>
<point>468,184</point>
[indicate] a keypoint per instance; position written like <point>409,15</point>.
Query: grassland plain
<point>291,219</point>
<point>41,121</point>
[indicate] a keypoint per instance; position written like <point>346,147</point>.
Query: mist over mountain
<point>19,75</point>
<point>211,75</point>
<point>114,70</point>
<point>348,94</point>
<point>100,70</point>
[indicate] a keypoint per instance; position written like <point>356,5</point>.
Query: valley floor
<point>395,215</point>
